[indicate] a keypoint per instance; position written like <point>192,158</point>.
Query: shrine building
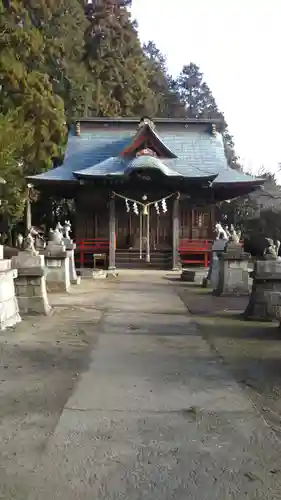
<point>145,191</point>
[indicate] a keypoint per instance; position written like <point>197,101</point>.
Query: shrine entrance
<point>132,227</point>
<point>135,223</point>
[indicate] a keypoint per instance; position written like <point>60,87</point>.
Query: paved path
<point>157,416</point>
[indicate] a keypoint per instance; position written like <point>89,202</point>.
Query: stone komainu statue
<point>261,247</point>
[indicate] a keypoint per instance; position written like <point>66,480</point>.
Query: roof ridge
<point>135,119</point>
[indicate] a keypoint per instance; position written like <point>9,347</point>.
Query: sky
<point>236,44</point>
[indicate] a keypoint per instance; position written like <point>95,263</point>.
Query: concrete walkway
<point>156,416</point>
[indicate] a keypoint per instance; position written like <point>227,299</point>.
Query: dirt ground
<point>41,360</point>
<point>250,350</point>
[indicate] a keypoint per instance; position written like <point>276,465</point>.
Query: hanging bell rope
<point>145,209</point>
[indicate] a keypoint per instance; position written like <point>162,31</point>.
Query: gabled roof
<point>148,133</point>
<point>95,152</point>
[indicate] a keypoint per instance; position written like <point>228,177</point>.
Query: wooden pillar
<point>111,263</point>
<point>176,226</point>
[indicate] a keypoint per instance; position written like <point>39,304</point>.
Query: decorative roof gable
<point>147,138</point>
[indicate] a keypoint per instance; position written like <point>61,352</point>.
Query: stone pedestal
<point>56,267</point>
<point>265,290</point>
<point>214,274</point>
<point>274,305</point>
<point>70,247</point>
<point>9,311</point>
<point>188,275</point>
<point>233,275</point>
<point>30,284</point>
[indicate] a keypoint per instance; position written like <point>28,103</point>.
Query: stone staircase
<point>130,259</point>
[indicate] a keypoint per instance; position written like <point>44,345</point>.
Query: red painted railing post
<point>206,259</point>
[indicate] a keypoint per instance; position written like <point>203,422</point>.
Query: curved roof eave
<point>243,182</point>
<point>150,162</point>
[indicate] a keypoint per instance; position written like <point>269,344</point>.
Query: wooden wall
<point>92,221</point>
<point>196,223</point>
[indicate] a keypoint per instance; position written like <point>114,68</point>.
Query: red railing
<point>87,247</point>
<point>201,249</point>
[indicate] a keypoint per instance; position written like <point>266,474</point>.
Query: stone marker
<point>57,264</point>
<point>9,311</point>
<point>233,275</point>
<point>70,246</point>
<point>266,283</point>
<point>274,305</point>
<point>213,272</point>
<point>30,284</point>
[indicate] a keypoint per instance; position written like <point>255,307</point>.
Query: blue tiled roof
<point>87,150</point>
<point>95,153</point>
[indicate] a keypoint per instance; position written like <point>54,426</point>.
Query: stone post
<point>57,267</point>
<point>233,274</point>
<point>111,263</point>
<point>30,284</point>
<point>70,247</point>
<point>265,289</point>
<point>9,311</point>
<point>213,273</point>
<point>175,216</point>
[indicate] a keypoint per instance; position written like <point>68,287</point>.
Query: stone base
<point>99,274</point>
<point>9,311</point>
<point>32,295</point>
<point>265,289</point>
<point>76,281</point>
<point>57,273</point>
<point>30,284</point>
<point>259,307</point>
<point>188,276</point>
<point>233,277</point>
<point>274,305</point>
<point>214,273</point>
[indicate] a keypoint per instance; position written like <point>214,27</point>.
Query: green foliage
<point>62,24</point>
<point>11,167</point>
<point>259,212</point>
<point>200,103</point>
<point>117,63</point>
<point>196,94</point>
<point>26,89</point>
<point>166,99</point>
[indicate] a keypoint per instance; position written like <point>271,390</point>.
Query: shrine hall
<point>145,191</point>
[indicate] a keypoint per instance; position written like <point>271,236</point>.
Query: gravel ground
<point>250,350</point>
<point>41,360</point>
<point>121,394</point>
